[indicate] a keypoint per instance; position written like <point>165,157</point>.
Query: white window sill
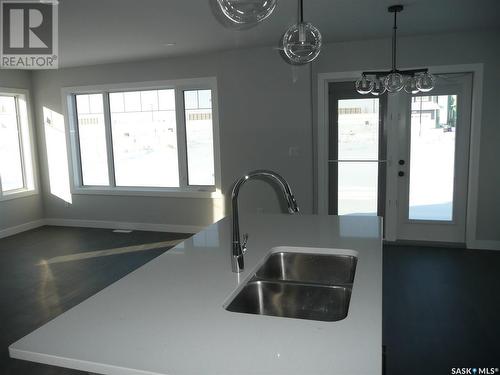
<point>148,192</point>
<point>15,194</point>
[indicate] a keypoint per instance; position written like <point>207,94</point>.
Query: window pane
<point>117,102</point>
<point>432,158</point>
<point>145,139</point>
<point>11,167</point>
<point>92,137</point>
<point>166,99</point>
<point>357,188</point>
<point>191,99</point>
<point>199,137</point>
<point>358,127</point>
<point>149,100</point>
<point>132,101</point>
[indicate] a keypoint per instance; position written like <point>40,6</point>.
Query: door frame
<point>410,229</point>
<point>322,137</point>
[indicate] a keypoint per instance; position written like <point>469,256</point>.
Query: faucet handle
<point>244,244</point>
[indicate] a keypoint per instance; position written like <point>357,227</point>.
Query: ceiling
<point>101,31</point>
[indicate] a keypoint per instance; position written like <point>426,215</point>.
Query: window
<point>199,137</point>
<point>144,131</point>
<point>92,137</point>
<point>147,139</point>
<point>16,164</point>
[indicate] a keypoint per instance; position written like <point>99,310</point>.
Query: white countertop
<point>167,317</point>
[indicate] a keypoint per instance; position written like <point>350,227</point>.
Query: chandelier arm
<point>407,72</point>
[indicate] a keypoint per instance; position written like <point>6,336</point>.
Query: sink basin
<point>293,300</point>
<point>312,283</point>
<point>325,269</point>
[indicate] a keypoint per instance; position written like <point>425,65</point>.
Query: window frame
<point>179,86</point>
<point>26,136</point>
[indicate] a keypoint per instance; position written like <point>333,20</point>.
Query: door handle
<point>401,173</point>
<point>401,162</point>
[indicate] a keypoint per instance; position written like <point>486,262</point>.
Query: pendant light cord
<point>394,42</point>
<point>301,11</point>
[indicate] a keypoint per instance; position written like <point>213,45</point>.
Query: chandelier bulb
<point>425,82</point>
<point>378,87</point>
<point>364,85</point>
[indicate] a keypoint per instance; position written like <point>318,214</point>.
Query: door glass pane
<point>432,157</point>
<point>358,139</point>
<point>11,167</point>
<point>199,137</point>
<point>358,129</point>
<point>92,137</point>
<point>144,138</point>
<point>357,188</point>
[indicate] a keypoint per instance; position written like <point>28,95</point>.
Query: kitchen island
<point>168,316</point>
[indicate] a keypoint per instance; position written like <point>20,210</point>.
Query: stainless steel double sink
<point>301,285</point>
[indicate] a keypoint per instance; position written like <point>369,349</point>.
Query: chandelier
<point>394,80</point>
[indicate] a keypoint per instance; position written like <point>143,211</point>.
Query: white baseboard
<point>483,245</point>
<point>21,228</point>
<point>123,225</point>
<point>100,224</point>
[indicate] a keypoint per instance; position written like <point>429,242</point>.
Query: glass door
<point>356,152</point>
<point>433,164</point>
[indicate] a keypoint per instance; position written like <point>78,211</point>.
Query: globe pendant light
<point>411,85</point>
<point>378,87</point>
<point>302,41</point>
<point>394,80</point>
<point>364,85</point>
<point>425,82</point>
<point>247,12</point>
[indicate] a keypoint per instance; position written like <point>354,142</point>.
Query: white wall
<point>264,108</point>
<point>20,210</point>
<point>267,106</point>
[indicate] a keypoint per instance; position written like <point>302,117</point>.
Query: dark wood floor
<point>33,294</point>
<point>441,309</point>
<point>441,306</point>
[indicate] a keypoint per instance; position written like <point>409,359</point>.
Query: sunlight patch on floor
<point>107,252</point>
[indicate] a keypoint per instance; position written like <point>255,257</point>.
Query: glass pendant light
<point>302,41</point>
<point>364,85</point>
<point>247,11</point>
<point>378,87</point>
<point>425,82</point>
<point>411,85</point>
<point>394,82</point>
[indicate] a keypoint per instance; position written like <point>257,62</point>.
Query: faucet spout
<point>238,248</point>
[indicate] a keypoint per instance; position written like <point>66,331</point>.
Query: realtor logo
<point>28,34</point>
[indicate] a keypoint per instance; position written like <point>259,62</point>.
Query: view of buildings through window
<point>199,137</point>
<point>358,139</point>
<point>432,155</point>
<point>92,136</point>
<point>142,138</point>
<point>15,149</point>
<point>143,126</point>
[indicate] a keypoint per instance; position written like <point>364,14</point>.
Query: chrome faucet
<point>239,249</point>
